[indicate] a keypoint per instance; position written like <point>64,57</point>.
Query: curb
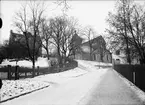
<point>23,94</point>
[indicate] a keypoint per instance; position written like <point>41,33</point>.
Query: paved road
<point>111,91</point>
<point>99,87</point>
<point>68,92</point>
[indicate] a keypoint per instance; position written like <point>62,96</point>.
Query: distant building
<point>15,37</point>
<point>120,57</point>
<point>99,51</point>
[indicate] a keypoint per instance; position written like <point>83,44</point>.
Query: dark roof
<point>93,40</point>
<point>20,35</point>
<point>16,34</point>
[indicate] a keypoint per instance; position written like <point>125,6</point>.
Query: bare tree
<point>62,33</point>
<point>135,26</point>
<point>28,20</point>
<point>127,28</point>
<point>67,38</point>
<point>64,4</point>
<point>46,33</point>
<point>119,30</point>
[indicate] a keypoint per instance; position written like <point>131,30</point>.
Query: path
<point>99,87</point>
<point>66,93</point>
<point>112,90</point>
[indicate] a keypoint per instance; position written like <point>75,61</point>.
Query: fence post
<point>37,70</point>
<point>16,73</point>
<point>134,74</point>
<point>33,72</point>
<point>9,72</point>
<point>25,74</point>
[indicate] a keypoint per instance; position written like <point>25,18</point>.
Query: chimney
<point>11,31</point>
<point>24,33</point>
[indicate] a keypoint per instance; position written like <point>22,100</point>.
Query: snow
<point>89,65</point>
<point>62,76</point>
<point>110,91</point>
<point>67,87</point>
<point>139,92</point>
<point>41,62</point>
<point>13,88</point>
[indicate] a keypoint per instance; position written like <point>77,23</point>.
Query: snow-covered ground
<point>67,87</point>
<point>62,76</point>
<point>88,65</point>
<point>13,88</point>
<point>139,92</point>
<point>41,62</point>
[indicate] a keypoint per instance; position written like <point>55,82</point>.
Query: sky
<point>88,13</point>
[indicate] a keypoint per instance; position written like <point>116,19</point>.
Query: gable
<point>96,43</point>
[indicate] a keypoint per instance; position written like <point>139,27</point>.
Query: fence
<point>134,73</point>
<point>16,72</point>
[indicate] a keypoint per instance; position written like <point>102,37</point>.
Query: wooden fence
<point>134,73</point>
<point>16,72</point>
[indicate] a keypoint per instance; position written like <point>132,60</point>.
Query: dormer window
<point>118,52</point>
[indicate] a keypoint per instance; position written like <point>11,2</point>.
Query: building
<point>15,37</point>
<point>119,57</point>
<point>97,52</point>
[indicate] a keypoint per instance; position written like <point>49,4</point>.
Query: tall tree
<point>127,28</point>
<point>28,19</point>
<point>46,33</point>
<point>62,33</point>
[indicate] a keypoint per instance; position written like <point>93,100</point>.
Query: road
<point>112,90</point>
<point>97,87</point>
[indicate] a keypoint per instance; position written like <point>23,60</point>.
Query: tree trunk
<point>74,55</point>
<point>91,51</point>
<point>47,54</point>
<point>101,54</point>
<point>128,52</point>
<point>142,60</point>
<point>33,67</point>
<point>126,36</point>
<point>59,58</point>
<point>101,57</point>
<point>90,56</point>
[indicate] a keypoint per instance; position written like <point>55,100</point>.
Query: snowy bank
<point>138,91</point>
<point>14,88</point>
<point>91,65</point>
<point>41,62</point>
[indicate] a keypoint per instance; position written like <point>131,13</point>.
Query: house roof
<point>94,40</point>
<point>20,35</point>
<point>14,37</point>
<point>106,51</point>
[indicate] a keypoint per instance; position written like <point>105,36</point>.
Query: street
<point>97,87</point>
<point>111,91</point>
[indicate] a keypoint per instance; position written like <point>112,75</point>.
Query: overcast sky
<point>91,13</point>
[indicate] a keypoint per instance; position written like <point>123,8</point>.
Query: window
<point>118,52</point>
